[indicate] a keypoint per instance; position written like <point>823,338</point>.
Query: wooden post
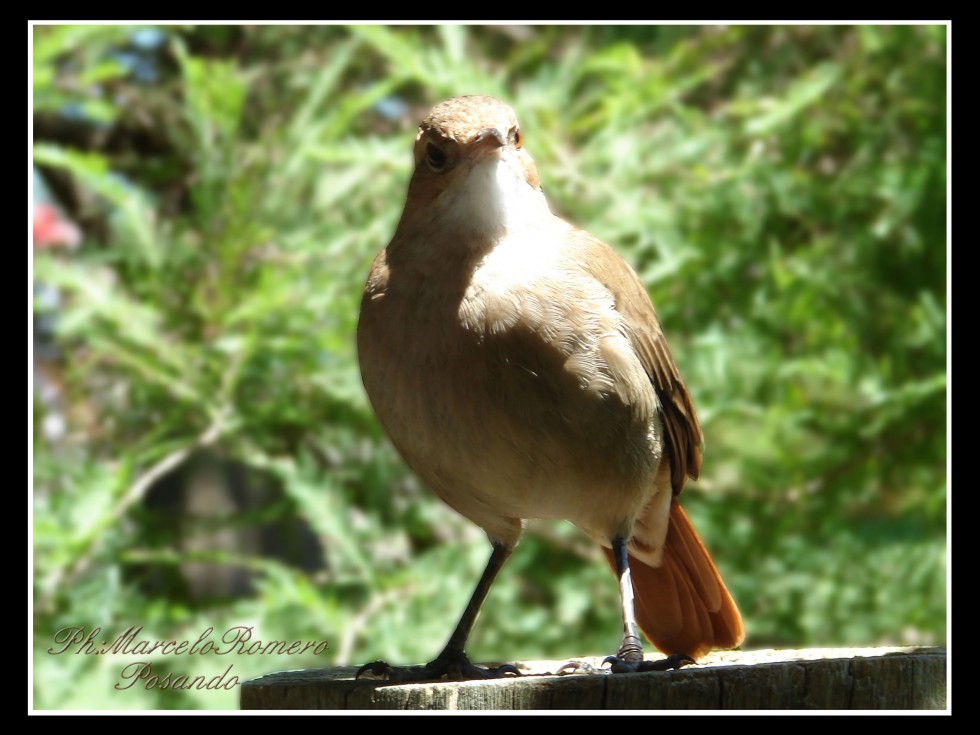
<point>810,679</point>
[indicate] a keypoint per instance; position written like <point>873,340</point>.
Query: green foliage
<point>781,190</point>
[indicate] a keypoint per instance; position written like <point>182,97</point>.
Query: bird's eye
<point>518,138</point>
<point>435,157</point>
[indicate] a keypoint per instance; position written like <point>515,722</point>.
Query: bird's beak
<point>489,139</point>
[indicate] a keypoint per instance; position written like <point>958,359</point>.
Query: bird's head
<point>472,173</point>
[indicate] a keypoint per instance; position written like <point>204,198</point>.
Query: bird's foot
<point>447,666</point>
<point>621,665</point>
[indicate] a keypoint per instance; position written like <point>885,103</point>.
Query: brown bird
<point>518,366</point>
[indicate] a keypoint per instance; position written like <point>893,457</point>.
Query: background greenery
<point>781,190</point>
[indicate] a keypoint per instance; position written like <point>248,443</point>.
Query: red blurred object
<point>52,229</point>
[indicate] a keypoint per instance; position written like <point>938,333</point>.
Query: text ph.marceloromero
<point>236,640</point>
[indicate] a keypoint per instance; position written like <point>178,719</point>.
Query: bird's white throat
<point>494,198</point>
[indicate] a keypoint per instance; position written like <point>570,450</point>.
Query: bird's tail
<point>683,606</point>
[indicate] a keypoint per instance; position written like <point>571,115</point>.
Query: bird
<point>519,368</point>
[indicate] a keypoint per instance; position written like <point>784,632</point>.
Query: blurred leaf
<point>803,93</point>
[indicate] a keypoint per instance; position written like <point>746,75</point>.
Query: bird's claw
<point>626,664</point>
<point>671,663</point>
<point>577,667</point>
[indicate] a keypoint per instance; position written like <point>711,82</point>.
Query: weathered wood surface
<point>815,679</point>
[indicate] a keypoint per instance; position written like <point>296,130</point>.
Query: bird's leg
<point>630,656</point>
<point>631,649</point>
<point>452,663</point>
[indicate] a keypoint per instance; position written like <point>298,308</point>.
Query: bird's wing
<point>683,432</point>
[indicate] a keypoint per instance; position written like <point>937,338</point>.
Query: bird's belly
<point>501,428</point>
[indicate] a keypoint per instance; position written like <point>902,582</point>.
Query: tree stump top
<point>815,679</point>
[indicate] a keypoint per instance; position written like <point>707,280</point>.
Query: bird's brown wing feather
<point>683,432</point>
